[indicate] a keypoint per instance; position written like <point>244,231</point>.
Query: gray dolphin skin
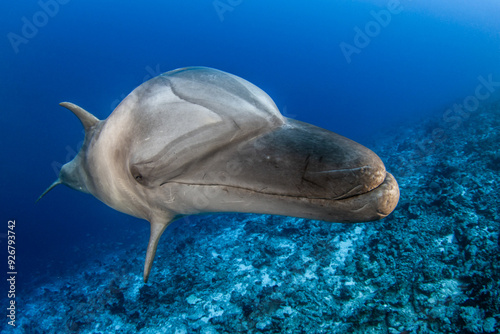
<point>197,140</point>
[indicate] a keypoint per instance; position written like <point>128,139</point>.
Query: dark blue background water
<point>93,53</point>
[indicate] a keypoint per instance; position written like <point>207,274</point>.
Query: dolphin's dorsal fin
<point>88,120</point>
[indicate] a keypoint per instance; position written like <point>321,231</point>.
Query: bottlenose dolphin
<point>198,140</point>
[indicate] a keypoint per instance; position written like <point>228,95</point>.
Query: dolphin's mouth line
<point>345,170</point>
<point>338,198</point>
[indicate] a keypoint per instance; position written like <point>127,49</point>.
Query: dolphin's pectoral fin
<point>157,228</point>
<point>55,183</point>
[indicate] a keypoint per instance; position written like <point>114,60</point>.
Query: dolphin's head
<point>296,170</point>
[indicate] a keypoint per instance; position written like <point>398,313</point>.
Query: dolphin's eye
<point>136,174</point>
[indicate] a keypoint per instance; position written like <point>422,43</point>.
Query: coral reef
<point>433,266</point>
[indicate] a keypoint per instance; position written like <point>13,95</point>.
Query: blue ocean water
<point>363,69</point>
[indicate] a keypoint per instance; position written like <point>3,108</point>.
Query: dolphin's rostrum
<point>198,140</point>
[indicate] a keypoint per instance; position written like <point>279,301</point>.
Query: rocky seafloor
<point>433,266</point>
